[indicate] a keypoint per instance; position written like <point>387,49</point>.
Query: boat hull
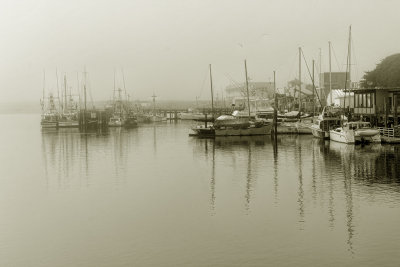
<point>346,137</point>
<point>49,124</point>
<point>320,133</point>
<point>228,131</point>
<point>115,124</point>
<point>368,138</point>
<point>68,124</point>
<point>202,131</point>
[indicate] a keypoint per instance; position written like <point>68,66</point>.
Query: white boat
<point>329,119</point>
<point>355,132</point>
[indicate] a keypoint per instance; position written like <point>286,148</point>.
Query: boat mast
<point>347,68</point>
<point>212,95</point>
<point>58,91</point>
<point>44,85</point>
<point>114,93</point>
<point>79,89</point>
<point>247,87</point>
<point>299,80</point>
<point>123,80</point>
<point>154,103</point>
<point>349,57</point>
<point>313,89</point>
<point>65,93</point>
<point>319,80</point>
<point>84,90</point>
<point>330,73</point>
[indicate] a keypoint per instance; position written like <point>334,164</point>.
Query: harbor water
<point>153,196</point>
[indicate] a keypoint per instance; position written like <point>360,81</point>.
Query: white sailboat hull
<point>342,136</point>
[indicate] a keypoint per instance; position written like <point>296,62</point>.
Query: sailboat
<point>358,131</point>
<point>204,130</point>
<point>330,117</point>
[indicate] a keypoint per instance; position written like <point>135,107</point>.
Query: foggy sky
<point>165,46</point>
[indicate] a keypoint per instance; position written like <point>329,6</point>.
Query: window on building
<point>364,96</point>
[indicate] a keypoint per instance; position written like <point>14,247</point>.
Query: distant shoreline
<point>35,108</point>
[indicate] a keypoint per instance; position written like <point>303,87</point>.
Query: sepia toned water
<point>152,196</point>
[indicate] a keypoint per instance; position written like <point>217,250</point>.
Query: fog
<point>164,47</point>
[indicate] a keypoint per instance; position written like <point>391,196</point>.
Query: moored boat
<point>50,115</point>
<point>326,121</point>
<point>355,132</point>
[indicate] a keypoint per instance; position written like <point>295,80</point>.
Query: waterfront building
<point>380,106</point>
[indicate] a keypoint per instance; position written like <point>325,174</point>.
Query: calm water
<point>153,196</point>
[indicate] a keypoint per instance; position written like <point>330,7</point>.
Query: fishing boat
<point>329,119</point>
<point>50,116</point>
<point>117,118</point>
<point>156,117</point>
<point>69,117</point>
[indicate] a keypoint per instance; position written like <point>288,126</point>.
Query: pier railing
<point>388,132</point>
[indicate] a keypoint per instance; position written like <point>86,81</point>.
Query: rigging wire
<point>293,66</point>
<point>337,62</point>
<point>355,59</point>
<point>237,84</point>
<point>202,86</point>
<point>319,100</point>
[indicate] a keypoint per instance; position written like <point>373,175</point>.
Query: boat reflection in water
<point>297,190</point>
